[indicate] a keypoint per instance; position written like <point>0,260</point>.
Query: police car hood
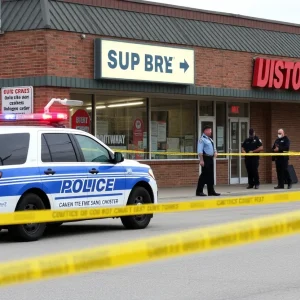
<point>130,162</point>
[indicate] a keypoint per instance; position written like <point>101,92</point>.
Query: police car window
<point>46,156</point>
<point>13,148</point>
<point>61,147</point>
<point>92,151</point>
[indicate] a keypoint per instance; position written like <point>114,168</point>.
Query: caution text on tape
<point>44,216</point>
<point>151,249</point>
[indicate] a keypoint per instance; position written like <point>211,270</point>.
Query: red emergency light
<point>47,117</point>
<point>42,117</point>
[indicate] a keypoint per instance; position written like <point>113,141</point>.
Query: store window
<point>121,123</point>
<point>206,108</point>
<point>173,128</point>
<point>221,121</point>
<point>238,109</point>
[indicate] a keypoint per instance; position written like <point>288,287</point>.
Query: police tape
<point>166,153</point>
<point>150,249</point>
<point>45,216</point>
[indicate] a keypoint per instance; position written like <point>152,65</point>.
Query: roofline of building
<point>197,10</point>
<point>211,12</point>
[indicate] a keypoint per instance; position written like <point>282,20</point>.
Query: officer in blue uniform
<point>206,152</point>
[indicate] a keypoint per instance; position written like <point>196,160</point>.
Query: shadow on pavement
<point>67,230</point>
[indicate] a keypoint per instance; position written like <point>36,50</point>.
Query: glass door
<point>238,132</point>
<point>208,121</point>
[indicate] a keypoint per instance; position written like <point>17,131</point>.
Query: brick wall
<point>260,121</point>
<point>287,116</point>
<point>70,56</point>
<point>23,54</point>
<point>57,53</point>
<point>184,173</point>
<point>266,119</point>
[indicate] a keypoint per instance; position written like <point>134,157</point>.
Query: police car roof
<point>13,128</point>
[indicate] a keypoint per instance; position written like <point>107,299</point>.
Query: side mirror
<point>118,157</point>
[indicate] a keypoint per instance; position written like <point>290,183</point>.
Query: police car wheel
<point>138,196</point>
<point>29,232</point>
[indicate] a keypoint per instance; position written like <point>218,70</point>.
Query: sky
<point>279,10</point>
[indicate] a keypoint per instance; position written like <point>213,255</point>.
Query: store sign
<point>278,74</point>
<point>81,120</point>
<point>17,100</point>
<point>112,139</point>
<point>140,62</point>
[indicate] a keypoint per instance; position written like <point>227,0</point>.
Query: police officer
<point>282,144</point>
<point>206,152</point>
<point>252,145</point>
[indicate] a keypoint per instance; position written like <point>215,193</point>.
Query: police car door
<point>64,177</point>
<point>107,182</point>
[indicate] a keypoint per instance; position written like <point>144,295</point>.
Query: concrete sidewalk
<point>177,193</point>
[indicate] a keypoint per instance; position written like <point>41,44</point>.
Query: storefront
<point>151,90</point>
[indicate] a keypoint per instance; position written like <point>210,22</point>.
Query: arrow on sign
<point>184,65</point>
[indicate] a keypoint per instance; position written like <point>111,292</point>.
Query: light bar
<point>97,107</point>
<point>125,104</point>
<point>53,117</point>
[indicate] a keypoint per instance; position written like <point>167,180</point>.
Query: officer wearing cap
<point>206,152</point>
<point>252,145</point>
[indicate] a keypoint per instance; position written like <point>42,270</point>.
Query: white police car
<point>59,168</point>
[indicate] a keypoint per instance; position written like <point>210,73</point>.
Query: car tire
<point>138,196</point>
<point>28,232</point>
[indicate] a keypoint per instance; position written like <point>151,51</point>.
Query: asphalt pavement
<point>261,271</point>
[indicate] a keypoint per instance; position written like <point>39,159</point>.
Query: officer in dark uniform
<point>282,144</point>
<point>207,152</point>
<point>252,145</point>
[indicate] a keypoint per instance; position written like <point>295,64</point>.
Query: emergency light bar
<point>43,117</point>
<point>52,117</point>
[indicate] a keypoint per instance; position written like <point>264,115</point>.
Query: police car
<point>53,167</point>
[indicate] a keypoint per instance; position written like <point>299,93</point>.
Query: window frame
<point>222,158</point>
<point>97,142</point>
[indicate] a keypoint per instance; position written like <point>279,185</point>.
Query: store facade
<point>152,88</point>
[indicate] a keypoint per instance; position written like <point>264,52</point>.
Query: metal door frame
<point>213,120</point>
<point>239,179</point>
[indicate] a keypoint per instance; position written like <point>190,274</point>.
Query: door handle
<point>49,172</point>
<point>93,171</point>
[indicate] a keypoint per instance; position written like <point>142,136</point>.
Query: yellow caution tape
<point>150,249</point>
<point>196,154</point>
<point>44,216</point>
